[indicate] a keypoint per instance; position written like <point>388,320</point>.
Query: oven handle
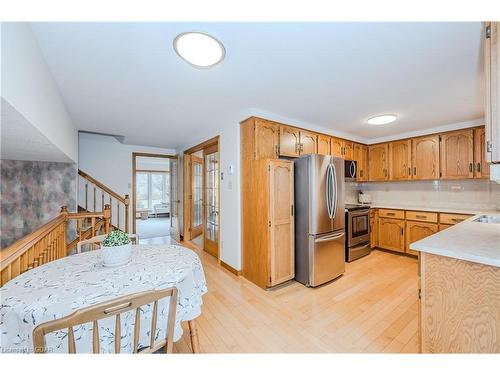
<point>359,213</point>
<point>360,246</point>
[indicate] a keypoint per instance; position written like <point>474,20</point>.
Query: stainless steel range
<point>357,227</point>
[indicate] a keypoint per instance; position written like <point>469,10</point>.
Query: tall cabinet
<point>267,200</point>
<point>492,75</point>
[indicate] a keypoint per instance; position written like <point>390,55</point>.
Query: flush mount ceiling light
<point>199,49</point>
<point>382,119</point>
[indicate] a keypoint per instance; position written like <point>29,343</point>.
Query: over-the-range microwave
<point>351,169</point>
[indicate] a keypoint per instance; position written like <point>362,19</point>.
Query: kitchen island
<point>459,276</point>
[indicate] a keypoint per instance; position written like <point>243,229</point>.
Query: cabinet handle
<point>296,148</point>
<point>361,173</point>
<point>409,171</point>
<point>276,152</point>
<point>414,171</point>
<point>456,220</point>
<point>301,147</point>
<point>292,209</point>
<point>470,167</point>
<point>390,214</point>
<point>401,231</point>
<point>421,216</point>
<point>479,167</point>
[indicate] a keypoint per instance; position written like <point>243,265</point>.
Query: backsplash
<point>460,194</point>
<point>32,193</point>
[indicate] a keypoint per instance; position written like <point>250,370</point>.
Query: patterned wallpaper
<point>32,193</point>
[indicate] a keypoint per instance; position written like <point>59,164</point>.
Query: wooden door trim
<point>134,171</point>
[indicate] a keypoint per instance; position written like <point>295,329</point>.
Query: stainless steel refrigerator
<point>319,219</point>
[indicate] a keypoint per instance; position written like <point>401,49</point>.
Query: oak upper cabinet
<point>336,147</point>
<point>400,160</point>
<point>457,156</point>
<point>492,75</point>
<point>308,143</point>
<point>378,165</point>
<point>481,167</point>
<point>416,230</point>
<point>361,157</point>
<point>391,234</point>
<point>281,221</point>
<point>348,150</point>
<point>289,141</point>
<point>425,157</point>
<point>323,144</point>
<point>266,139</point>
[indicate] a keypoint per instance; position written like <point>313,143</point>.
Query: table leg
<point>193,332</point>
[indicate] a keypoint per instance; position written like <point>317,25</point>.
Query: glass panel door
<point>197,196</point>
<point>212,201</point>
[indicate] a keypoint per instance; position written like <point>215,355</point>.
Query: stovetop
<point>355,207</point>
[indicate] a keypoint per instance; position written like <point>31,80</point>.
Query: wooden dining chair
<point>97,240</point>
<point>112,308</point>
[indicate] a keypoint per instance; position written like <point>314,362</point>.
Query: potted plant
<point>116,248</point>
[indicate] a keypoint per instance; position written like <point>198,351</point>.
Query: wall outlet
<point>230,185</point>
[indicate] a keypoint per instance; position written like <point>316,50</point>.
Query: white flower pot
<point>114,256</point>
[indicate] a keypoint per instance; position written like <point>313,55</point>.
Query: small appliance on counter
<point>357,227</point>
<point>364,198</point>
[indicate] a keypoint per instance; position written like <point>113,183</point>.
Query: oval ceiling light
<point>199,49</point>
<point>382,119</point>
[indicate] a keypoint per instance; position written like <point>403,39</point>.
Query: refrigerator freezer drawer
<point>327,257</point>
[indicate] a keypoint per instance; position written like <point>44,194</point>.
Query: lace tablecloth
<point>58,288</point>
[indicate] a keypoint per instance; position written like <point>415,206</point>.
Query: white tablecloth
<point>58,288</point>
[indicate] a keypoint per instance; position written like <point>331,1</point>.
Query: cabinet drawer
<point>452,218</point>
<point>392,214</point>
<point>429,217</point>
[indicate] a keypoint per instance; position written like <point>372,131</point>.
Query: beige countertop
<point>468,240</point>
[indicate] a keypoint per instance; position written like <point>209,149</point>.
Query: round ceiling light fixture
<point>382,119</point>
<point>199,49</point>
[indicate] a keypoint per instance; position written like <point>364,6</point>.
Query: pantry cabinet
<point>457,154</point>
<point>481,167</point>
<point>492,75</point>
<point>361,157</point>
<point>425,157</point>
<point>323,144</point>
<point>400,160</point>
<point>266,139</point>
<point>417,230</point>
<point>391,234</point>
<point>378,165</point>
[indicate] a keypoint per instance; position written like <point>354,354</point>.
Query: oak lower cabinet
<point>425,157</point>
<point>457,154</point>
<point>400,160</point>
<point>481,166</point>
<point>361,157</point>
<point>417,230</point>
<point>378,165</point>
<point>373,228</point>
<point>267,221</point>
<point>391,234</point>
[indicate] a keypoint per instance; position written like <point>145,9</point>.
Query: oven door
<point>359,227</point>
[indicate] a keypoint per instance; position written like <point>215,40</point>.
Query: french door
<point>196,196</point>
<point>211,197</point>
<point>174,199</point>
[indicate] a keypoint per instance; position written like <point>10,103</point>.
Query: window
<point>152,188</point>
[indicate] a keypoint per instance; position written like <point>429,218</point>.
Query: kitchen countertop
<point>469,211</point>
<point>470,241</point>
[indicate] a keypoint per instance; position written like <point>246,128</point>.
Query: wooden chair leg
<point>193,332</point>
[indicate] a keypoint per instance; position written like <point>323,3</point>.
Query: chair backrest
<point>111,308</point>
<point>96,241</point>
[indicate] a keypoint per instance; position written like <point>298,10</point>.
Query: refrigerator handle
<point>328,192</point>
<point>330,238</point>
<point>334,194</point>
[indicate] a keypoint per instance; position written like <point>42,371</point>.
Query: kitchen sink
<point>488,219</point>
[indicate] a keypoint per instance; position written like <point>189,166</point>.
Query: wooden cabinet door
<point>457,156</point>
<point>323,144</point>
<point>289,141</point>
<point>400,160</point>
<point>266,139</point>
<point>444,226</point>
<point>336,147</point>
<point>391,234</point>
<point>348,150</point>
<point>377,162</point>
<point>361,157</point>
<point>416,230</point>
<point>373,228</point>
<point>281,230</point>
<point>425,157</point>
<point>481,167</point>
<point>308,143</point>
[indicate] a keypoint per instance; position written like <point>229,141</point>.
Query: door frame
<point>134,171</point>
<point>187,188</point>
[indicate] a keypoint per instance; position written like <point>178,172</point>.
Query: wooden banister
<point>49,242</point>
<point>103,187</point>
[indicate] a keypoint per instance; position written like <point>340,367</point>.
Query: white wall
<point>110,162</point>
<point>29,87</point>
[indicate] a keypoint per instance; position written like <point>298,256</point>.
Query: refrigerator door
<point>337,194</point>
<point>327,257</point>
<point>320,219</point>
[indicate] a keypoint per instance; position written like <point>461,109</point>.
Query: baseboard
<point>230,269</point>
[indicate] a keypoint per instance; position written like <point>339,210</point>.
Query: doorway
<point>201,196</point>
<point>155,201</point>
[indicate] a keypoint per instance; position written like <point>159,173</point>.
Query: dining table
<point>58,288</point>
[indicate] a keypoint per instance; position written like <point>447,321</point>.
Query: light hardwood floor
<point>372,308</point>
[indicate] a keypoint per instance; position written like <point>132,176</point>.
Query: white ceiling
<point>125,78</point>
<point>21,140</point>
